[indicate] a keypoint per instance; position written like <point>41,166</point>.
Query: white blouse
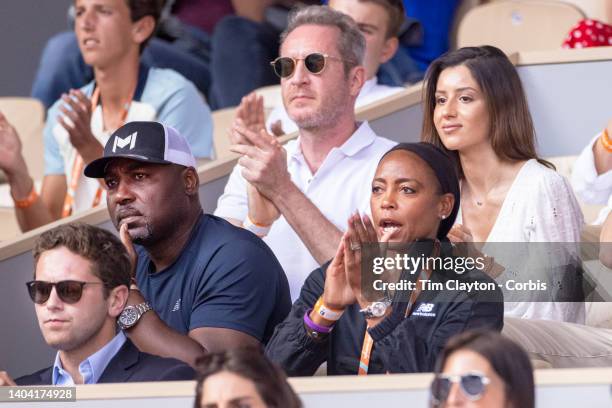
<point>540,207</point>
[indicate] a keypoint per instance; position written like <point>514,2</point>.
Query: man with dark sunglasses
<point>80,286</point>
<point>379,21</point>
<point>299,196</point>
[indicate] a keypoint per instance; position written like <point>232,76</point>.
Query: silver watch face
<point>129,316</point>
<point>378,309</point>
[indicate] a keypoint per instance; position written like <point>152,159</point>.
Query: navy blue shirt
<point>225,277</point>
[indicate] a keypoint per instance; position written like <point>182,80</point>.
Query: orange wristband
<point>605,141</point>
<point>258,229</point>
<point>28,201</point>
<point>326,312</point>
<point>257,224</point>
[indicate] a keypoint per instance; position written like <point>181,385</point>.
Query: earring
<point>442,216</point>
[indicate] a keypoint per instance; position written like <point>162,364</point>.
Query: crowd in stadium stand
<point>272,284</point>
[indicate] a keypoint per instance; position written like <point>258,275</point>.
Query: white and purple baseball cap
<point>149,142</point>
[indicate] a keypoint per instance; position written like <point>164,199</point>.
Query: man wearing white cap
<point>201,284</point>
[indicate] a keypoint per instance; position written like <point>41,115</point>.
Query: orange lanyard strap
<point>77,167</point>
<point>368,342</point>
<point>366,351</point>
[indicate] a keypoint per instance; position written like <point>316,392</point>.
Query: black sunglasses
<point>69,291</point>
<point>472,385</point>
<point>315,63</point>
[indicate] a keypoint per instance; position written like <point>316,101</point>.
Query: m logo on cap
<point>131,139</point>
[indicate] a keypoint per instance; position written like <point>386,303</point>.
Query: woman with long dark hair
<point>476,110</point>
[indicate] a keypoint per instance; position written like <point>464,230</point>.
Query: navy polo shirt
<point>225,277</point>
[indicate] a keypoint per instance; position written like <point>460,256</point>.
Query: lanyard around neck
<point>368,342</point>
<point>79,164</point>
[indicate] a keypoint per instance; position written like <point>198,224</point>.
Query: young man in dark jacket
<point>81,286</point>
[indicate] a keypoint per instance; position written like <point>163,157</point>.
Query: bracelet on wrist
<point>260,230</point>
<point>605,141</point>
<point>333,315</point>
<point>316,327</point>
<point>28,201</point>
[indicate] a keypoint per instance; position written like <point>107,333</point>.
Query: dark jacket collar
<point>118,369</point>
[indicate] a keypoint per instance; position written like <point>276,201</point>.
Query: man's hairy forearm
<point>320,236</point>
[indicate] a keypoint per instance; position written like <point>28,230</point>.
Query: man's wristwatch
<point>376,309</point>
<point>132,314</point>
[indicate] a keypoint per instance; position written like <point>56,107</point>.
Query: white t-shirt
<point>370,92</point>
<point>340,186</point>
<point>592,188</point>
<point>540,207</point>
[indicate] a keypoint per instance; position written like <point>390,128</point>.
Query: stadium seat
<point>271,95</point>
<point>518,25</point>
<point>596,9</point>
<point>222,121</point>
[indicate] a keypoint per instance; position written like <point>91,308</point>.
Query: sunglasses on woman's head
<point>472,385</point>
<point>315,63</point>
<point>69,291</point>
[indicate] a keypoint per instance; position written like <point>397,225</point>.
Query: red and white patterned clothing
<point>589,33</point>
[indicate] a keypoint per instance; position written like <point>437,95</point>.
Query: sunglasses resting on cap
<point>472,385</point>
<point>315,63</point>
<point>69,291</point>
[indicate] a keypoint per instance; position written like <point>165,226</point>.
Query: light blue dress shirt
<point>92,367</point>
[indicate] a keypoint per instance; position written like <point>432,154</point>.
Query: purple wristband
<point>321,329</point>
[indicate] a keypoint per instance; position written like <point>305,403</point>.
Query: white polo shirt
<point>340,186</point>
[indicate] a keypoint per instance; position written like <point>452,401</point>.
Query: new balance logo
<point>425,307</point>
<point>121,143</point>
<point>177,306</point>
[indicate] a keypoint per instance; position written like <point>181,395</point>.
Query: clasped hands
<point>11,159</point>
<point>264,166</point>
<point>343,281</point>
<point>462,239</point>
<point>76,119</point>
<point>464,245</point>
